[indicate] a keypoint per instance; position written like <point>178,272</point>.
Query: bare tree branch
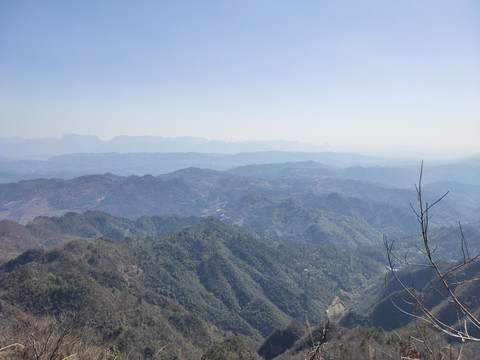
<point>446,278</point>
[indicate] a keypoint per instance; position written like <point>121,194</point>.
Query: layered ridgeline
<point>294,241</point>
<point>259,197</point>
<point>49,232</point>
<point>181,292</point>
<point>74,155</point>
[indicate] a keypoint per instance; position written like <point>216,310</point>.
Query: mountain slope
<point>187,289</point>
<point>48,232</point>
<point>15,239</point>
<point>290,220</point>
<point>197,192</point>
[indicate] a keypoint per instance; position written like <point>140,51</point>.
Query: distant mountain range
<point>44,148</point>
<point>73,165</point>
<point>394,172</point>
<point>284,202</point>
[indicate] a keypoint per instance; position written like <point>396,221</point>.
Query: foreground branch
<point>445,278</point>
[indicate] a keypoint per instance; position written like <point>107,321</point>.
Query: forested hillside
<point>199,263</point>
<point>186,289</point>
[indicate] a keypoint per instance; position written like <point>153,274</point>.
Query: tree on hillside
<point>451,282</point>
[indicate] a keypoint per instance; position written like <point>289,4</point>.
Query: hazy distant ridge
<point>13,148</point>
<point>44,148</point>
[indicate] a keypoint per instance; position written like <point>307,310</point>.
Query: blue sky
<point>360,73</point>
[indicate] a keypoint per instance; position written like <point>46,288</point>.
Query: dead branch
<point>446,278</point>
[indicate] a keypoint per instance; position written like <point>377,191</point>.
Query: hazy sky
<point>344,72</point>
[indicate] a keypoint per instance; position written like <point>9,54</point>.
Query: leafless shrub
<point>449,283</point>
